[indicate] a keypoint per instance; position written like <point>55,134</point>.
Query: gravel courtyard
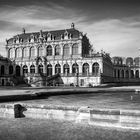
<point>35,129</point>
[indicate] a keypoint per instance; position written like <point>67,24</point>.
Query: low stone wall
<point>129,119</point>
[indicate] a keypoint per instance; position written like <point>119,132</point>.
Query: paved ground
<point>123,99</point>
<point>33,129</point>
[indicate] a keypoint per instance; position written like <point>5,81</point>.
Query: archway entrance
<point>17,70</point>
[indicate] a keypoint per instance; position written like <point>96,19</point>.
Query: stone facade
<point>126,70</point>
<point>39,55</point>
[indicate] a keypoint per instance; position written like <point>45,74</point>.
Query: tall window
<point>40,68</point>
<point>66,50</point>
<point>66,68</point>
<point>2,70</point>
<point>11,53</point>
<point>132,73</point>
<point>137,73</point>
<point>40,51</point>
<point>11,69</point>
<point>32,51</point>
<point>85,68</point>
<point>75,49</point>
<point>49,70</point>
<point>17,70</point>
<point>115,73</point>
<point>75,68</point>
<point>57,68</point>
<point>25,69</point>
<point>32,69</point>
<point>18,52</point>
<point>57,50</point>
<point>95,69</point>
<point>122,73</point>
<point>25,52</point>
<point>127,73</point>
<point>49,50</point>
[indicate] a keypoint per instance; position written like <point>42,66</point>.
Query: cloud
<point>115,36</point>
<point>118,35</point>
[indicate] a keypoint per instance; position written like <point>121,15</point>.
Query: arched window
<point>49,70</point>
<point>66,50</point>
<point>85,69</point>
<point>40,51</point>
<point>75,49</point>
<point>18,52</point>
<point>95,69</point>
<point>2,70</point>
<point>137,73</point>
<point>122,74</point>
<point>25,52</point>
<point>66,69</point>
<point>57,50</point>
<point>11,70</point>
<point>17,70</point>
<point>127,74</point>
<point>40,68</point>
<point>25,69</point>
<point>57,68</point>
<point>32,52</point>
<point>32,69</point>
<point>129,61</point>
<point>75,68</point>
<point>11,53</point>
<point>49,50</point>
<point>132,73</point>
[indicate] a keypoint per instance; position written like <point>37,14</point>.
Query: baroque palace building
<point>62,57</point>
<point>39,55</point>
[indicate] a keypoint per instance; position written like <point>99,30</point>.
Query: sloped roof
<point>57,34</point>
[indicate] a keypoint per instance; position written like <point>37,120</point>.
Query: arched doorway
<point>25,69</point>
<point>17,70</point>
<point>95,69</point>
<point>85,69</point>
<point>75,68</point>
<point>57,68</point>
<point>11,70</point>
<point>2,70</point>
<point>49,70</point>
<point>32,69</point>
<point>66,69</point>
<point>40,68</point>
<point>137,73</point>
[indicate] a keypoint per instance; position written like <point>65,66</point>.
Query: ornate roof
<point>44,35</point>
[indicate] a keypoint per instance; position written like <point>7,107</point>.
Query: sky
<point>111,25</point>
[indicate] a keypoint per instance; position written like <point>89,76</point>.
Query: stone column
<point>70,66</point>
<point>53,69</point>
<point>44,68</point>
<point>36,69</point>
<point>28,68</point>
<point>36,51</point>
<point>70,46</point>
<point>90,68</point>
<point>44,50</point>
<point>53,50</point>
<point>61,46</point>
<point>80,67</point>
<point>62,68</point>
